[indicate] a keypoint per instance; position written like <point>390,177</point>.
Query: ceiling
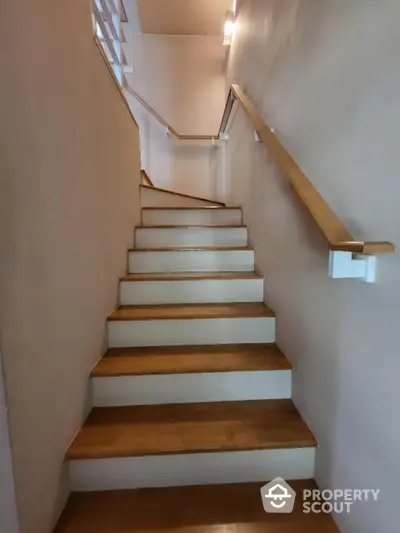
<point>183,17</point>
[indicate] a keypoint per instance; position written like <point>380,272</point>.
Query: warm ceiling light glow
<point>229,27</point>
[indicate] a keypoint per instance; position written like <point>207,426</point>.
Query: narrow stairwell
<point>191,403</point>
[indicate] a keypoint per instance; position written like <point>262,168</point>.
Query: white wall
<point>326,76</point>
<point>183,79</point>
<point>69,201</point>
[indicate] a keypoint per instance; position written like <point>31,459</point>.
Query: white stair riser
<point>171,217</point>
<point>155,198</point>
<point>192,261</point>
<point>189,388</point>
<point>191,291</point>
<point>190,236</point>
<point>125,333</point>
<point>191,469</point>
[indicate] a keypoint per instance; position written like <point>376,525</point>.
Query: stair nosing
<point>194,249</point>
<point>178,372</point>
<point>306,443</point>
<point>265,312</point>
<point>192,276</point>
<point>210,207</point>
<point>178,226</point>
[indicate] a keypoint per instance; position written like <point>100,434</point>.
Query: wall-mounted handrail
<point>160,119</point>
<point>230,101</point>
<point>107,15</point>
<point>335,232</point>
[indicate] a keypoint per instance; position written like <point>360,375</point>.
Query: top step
<point>181,216</point>
<point>155,196</point>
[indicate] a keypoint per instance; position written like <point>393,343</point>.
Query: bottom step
<point>191,444</point>
<point>229,508</point>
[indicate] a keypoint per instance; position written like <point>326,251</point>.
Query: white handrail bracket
<point>349,265</point>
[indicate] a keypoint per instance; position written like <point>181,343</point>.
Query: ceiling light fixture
<point>229,27</point>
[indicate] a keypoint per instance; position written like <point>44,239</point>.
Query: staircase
<point>192,411</point>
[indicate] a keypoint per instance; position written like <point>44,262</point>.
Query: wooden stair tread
<point>193,249</point>
<point>219,208</point>
<point>190,428</point>
<point>190,359</point>
<point>230,508</point>
<point>185,226</point>
<point>183,276</point>
<point>191,311</point>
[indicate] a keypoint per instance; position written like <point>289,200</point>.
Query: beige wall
<point>69,174</point>
<point>183,79</point>
<point>182,17</point>
<point>326,76</point>
<point>8,502</point>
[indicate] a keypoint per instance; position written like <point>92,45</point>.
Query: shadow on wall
<point>69,200</point>
<point>8,504</point>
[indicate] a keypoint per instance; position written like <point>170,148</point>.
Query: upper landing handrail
<point>163,121</point>
<point>108,27</point>
<point>335,232</point>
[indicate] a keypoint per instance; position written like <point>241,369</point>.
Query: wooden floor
<point>190,359</point>
<point>190,428</point>
<point>190,311</point>
<point>203,509</point>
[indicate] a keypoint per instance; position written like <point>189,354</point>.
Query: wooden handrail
<point>335,232</point>
<point>164,122</point>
